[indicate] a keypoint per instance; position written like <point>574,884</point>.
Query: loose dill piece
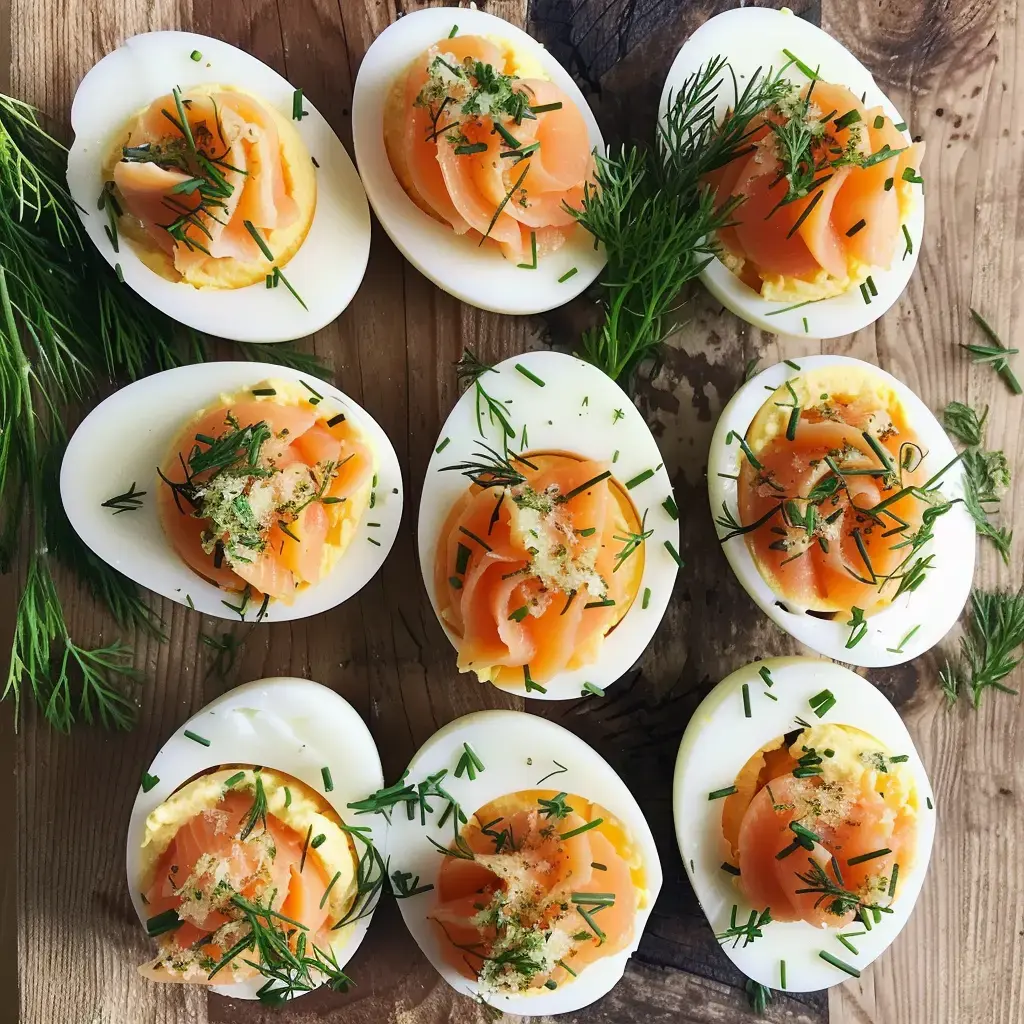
<point>129,501</point>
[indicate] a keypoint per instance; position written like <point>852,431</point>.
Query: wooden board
<point>68,934</point>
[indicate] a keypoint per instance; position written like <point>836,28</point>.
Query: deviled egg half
<point>548,534</point>
<point>832,214</point>
<point>216,190</point>
<point>238,489</point>
<point>472,140</point>
<point>805,820</point>
<point>244,863</point>
<point>524,867</point>
<point>837,498</point>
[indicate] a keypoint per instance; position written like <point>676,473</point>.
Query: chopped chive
<point>444,444</point>
<point>261,392</point>
<point>297,112</point>
<point>605,602</point>
<point>848,944</point>
<point>851,861</point>
<point>507,136</point>
<point>807,329</point>
<point>327,891</point>
<point>879,121</point>
<point>551,984</point>
<point>806,71</point>
<point>234,780</point>
<point>149,781</point>
<point>909,242</point>
<point>533,264</point>
<point>782,974</point>
<point>786,309</point>
<point>528,679</point>
<point>870,282</point>
<point>822,703</point>
<point>335,420</point>
<point>454,31</point>
<point>794,421</point>
<point>519,614</point>
<point>462,556</point>
<point>325,772</point>
<point>860,225</point>
<point>455,583</point>
<point>287,797</point>
<point>586,486</point>
<point>196,738</point>
<point>579,831</point>
<point>545,107</point>
<point>770,696</point>
<point>258,239</point>
<point>670,548</point>
<point>892,880</point>
<point>571,272</point>
<point>503,204</point>
<point>639,479</point>
<point>719,793</point>
<point>669,505</point>
<point>729,869</point>
<point>590,688</point>
<point>746,701</point>
<point>470,148</point>
<point>889,182</point>
<point>317,841</point>
<point>168,921</point>
<point>473,536</point>
<point>836,962</point>
<point>850,117</point>
<point>789,362</point>
<point>865,294</point>
<point>119,272</point>
<point>765,673</point>
<point>647,598</point>
<point>793,846</point>
<point>565,967</point>
<point>196,56</point>
<point>375,543</point>
<point>901,127</point>
<point>529,376</point>
<point>911,175</point>
<point>588,532</point>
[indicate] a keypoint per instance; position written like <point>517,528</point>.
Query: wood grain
<point>954,69</point>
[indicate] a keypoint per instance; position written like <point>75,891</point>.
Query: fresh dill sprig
<point>838,899</point>
<point>654,215</point>
<point>989,648</point>
<point>995,353</point>
<point>491,468</point>
<point>257,813</point>
<point>964,423</point>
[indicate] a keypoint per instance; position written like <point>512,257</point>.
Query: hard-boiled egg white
<point>579,410</point>
<point>123,440</point>
<point>716,745</point>
<point>287,725</point>
<point>518,751</point>
<point>329,265</point>
<point>933,607</point>
<point>475,274</point>
<point>753,39</point>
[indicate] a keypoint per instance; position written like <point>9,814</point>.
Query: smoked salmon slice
<point>531,576</point>
<point>226,856</point>
<point>827,500</point>
<point>260,496</point>
<point>540,885</point>
<point>822,192</point>
<point>494,156</point>
<point>822,833</point>
<point>204,175</point>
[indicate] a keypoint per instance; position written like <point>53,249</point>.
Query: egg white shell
<point>287,724</point>
<point>517,750</point>
<point>557,420</point>
<point>753,38</point>
<point>127,436</point>
<point>328,267</point>
<point>935,605</point>
<point>717,743</point>
<point>476,274</point>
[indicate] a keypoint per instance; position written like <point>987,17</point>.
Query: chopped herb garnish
<point>579,831</point>
<point>571,272</point>
<point>297,112</point>
<point>196,56</point>
<point>647,598</point>
<point>639,479</point>
<point>746,700</point>
<point>590,688</point>
<point>719,793</point>
<point>528,375</point>
<point>670,548</point>
<point>129,501</point>
<point>168,921</point>
<point>149,781</point>
<point>836,962</point>
<point>669,505</point>
<point>851,861</point>
<point>196,738</point>
<point>822,703</point>
<point>444,444</point>
<point>325,773</point>
<point>857,623</point>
